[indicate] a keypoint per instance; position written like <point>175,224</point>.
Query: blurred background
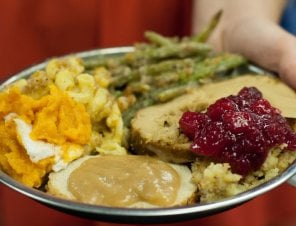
<point>34,30</point>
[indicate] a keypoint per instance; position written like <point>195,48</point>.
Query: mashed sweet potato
<point>55,118</point>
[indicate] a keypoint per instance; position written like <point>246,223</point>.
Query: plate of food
<point>163,131</point>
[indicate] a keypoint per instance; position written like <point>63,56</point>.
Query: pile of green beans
<point>166,67</point>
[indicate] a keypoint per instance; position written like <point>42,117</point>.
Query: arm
<point>251,29</point>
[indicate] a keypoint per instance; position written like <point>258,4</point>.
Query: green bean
<point>171,93</point>
<point>154,54</point>
<point>185,49</point>
<point>158,39</point>
<point>230,61</point>
<point>124,76</point>
<point>166,66</point>
<point>166,78</point>
<point>206,32</point>
<point>139,87</point>
<point>219,64</point>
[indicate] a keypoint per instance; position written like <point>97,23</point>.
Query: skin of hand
<point>251,28</point>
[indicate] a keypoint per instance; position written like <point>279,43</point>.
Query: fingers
<point>255,39</point>
<point>287,61</point>
<point>265,43</point>
<point>251,28</point>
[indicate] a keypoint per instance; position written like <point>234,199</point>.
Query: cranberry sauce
<point>238,130</point>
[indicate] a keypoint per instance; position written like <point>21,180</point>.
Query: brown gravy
<point>124,180</point>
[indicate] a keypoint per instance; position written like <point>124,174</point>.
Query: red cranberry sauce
<point>238,130</point>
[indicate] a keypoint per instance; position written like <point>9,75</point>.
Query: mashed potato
<point>54,117</point>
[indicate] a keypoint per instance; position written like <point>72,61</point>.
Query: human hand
<point>264,43</point>
<point>252,30</point>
